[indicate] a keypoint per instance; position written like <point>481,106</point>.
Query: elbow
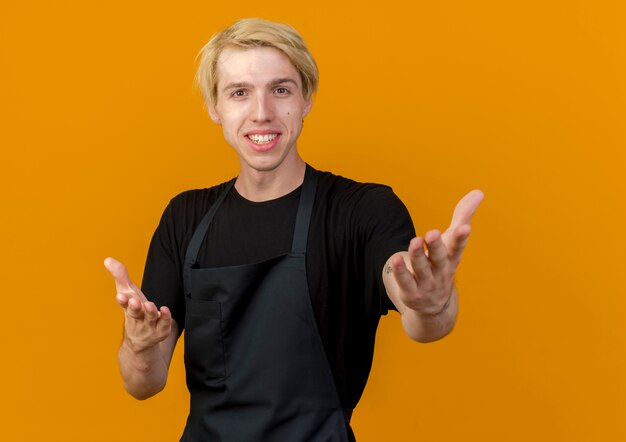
<point>143,393</point>
<point>424,333</point>
<point>425,338</point>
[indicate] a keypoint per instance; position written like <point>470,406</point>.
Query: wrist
<point>141,359</point>
<point>138,348</point>
<point>445,306</point>
<point>432,313</point>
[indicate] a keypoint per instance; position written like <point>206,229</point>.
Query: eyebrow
<point>276,82</point>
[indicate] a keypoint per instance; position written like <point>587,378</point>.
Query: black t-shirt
<point>354,229</point>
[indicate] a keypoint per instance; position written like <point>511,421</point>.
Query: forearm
<point>144,368</point>
<point>144,372</point>
<point>430,327</point>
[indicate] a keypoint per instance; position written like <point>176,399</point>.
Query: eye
<point>281,90</point>
<point>238,93</point>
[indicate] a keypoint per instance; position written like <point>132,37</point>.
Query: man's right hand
<point>145,326</point>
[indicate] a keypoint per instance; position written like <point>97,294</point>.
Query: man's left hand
<point>425,278</point>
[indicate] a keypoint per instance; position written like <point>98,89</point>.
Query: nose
<point>262,109</point>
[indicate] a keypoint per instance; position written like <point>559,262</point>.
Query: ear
<point>214,115</point>
<point>307,107</point>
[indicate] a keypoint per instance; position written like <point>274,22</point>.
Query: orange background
<point>525,100</point>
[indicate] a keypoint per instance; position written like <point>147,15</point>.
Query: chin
<point>263,166</point>
<point>266,163</point>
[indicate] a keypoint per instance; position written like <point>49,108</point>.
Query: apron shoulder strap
<point>305,208</point>
<point>198,236</point>
<point>301,231</point>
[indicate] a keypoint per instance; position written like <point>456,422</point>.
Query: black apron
<point>255,362</point>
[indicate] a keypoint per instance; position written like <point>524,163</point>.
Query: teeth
<point>262,139</point>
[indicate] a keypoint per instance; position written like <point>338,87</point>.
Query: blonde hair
<point>249,33</point>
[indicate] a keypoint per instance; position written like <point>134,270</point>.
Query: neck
<point>264,185</point>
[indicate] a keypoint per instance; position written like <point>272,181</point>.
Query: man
<point>278,277</point>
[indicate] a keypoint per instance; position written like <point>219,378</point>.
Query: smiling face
<point>260,107</point>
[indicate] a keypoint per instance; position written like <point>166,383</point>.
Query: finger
<point>466,207</point>
<point>458,243</point>
<point>123,284</point>
<point>419,261</point>
<point>122,300</point>
<point>135,309</point>
<point>164,324</point>
<point>119,273</point>
<point>404,278</point>
<point>151,313</point>
<point>437,251</point>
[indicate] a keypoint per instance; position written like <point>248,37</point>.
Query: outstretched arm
<point>420,282</point>
<point>150,336</point>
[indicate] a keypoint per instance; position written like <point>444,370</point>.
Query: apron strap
<point>196,240</point>
<point>303,218</point>
<point>347,414</point>
<point>305,207</point>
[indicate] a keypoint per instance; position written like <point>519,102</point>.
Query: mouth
<point>262,142</point>
<point>262,139</point>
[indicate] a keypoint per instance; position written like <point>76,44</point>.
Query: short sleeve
<point>162,278</point>
<point>385,227</point>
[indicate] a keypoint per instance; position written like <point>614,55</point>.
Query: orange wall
<point>525,100</point>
